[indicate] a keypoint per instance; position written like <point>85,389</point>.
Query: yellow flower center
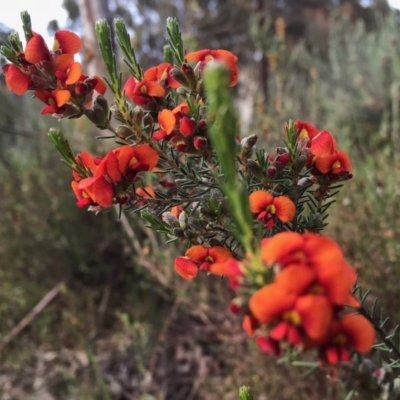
<point>143,89</point>
<point>340,339</point>
<point>293,317</point>
<point>316,289</point>
<point>209,259</point>
<point>336,165</point>
<point>271,209</point>
<point>303,134</point>
<point>133,161</point>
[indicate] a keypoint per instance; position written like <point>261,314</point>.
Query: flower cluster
<point>302,301</point>
<point>102,182</point>
<point>54,75</point>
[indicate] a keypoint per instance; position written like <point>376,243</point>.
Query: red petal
<point>185,267</point>
<point>36,49</point>
<point>323,144</point>
<point>187,126</point>
<point>101,86</point>
<point>67,41</point>
<point>103,192</point>
<point>16,80</point>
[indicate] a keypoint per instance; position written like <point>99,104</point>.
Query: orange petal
<point>124,155</point>
<point>279,247</point>
<point>197,253</point>
<point>146,155</point>
<point>74,73</point>
<point>323,144</point>
<point>297,279</point>
<point>67,41</point>
<point>185,267</point>
<point>229,268</point>
<point>324,164</point>
<point>64,61</point>
<point>270,302</point>
<point>151,74</point>
<point>148,191</point>
<point>109,166</point>
<point>285,208</point>
<point>62,97</point>
<point>198,55</point>
<point>344,159</point>
<point>260,200</point>
<point>316,315</point>
<point>359,332</point>
<point>154,89</point>
<point>224,55</point>
<point>36,49</point>
<point>16,80</point>
<point>219,253</point>
<point>167,121</point>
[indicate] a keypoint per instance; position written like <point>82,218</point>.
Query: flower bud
<point>200,143</point>
<point>178,232</point>
<point>271,171</point>
<point>169,218</point>
<point>124,132</point>
<point>136,115</point>
<point>253,167</point>
<point>183,219</point>
<point>189,234</point>
<point>102,102</point>
<point>179,76</point>
<point>249,142</point>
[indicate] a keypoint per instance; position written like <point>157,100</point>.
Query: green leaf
<point>245,394</point>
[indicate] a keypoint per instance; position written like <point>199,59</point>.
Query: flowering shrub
<point>252,217</point>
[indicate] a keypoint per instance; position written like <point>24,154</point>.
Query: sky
<point>41,12</point>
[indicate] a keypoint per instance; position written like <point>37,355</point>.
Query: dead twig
<point>31,315</point>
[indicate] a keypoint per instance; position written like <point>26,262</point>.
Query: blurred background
<point>113,320</point>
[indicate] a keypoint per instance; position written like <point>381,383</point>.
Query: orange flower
<point>336,163</point>
<point>55,99</point>
<point>206,256</point>
<point>293,317</point>
<point>66,70</point>
<point>305,131</point>
<point>142,93</point>
<point>67,42</point>
<point>98,189</point>
<point>167,122</point>
<point>268,208</point>
<point>347,333</point>
<point>87,163</point>
<point>224,56</point>
<point>126,162</point>
<point>161,74</point>
<point>291,254</point>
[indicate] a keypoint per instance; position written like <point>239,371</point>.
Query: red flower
<point>200,258</point>
<point>336,163</point>
<point>268,207</point>
<point>55,100</point>
<point>224,56</point>
<point>161,74</point>
<point>94,191</point>
<point>142,93</point>
<point>16,80</point>
<point>347,333</point>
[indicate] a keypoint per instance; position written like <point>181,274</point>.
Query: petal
<point>229,268</point>
<point>36,49</point>
<point>147,192</point>
<point>297,279</point>
<point>154,89</point>
<point>166,120</point>
<point>359,332</point>
<point>197,253</point>
<point>198,55</point>
<point>316,314</point>
<point>185,267</point>
<point>146,155</point>
<point>219,253</point>
<point>43,95</point>
<point>67,41</point>
<point>344,159</point>
<point>16,80</point>
<point>224,55</point>
<point>283,248</point>
<point>271,302</point>
<point>306,130</point>
<point>103,192</point>
<point>101,86</point>
<point>64,61</point>
<point>323,144</point>
<point>285,208</point>
<point>124,155</point>
<point>62,97</point>
<point>259,200</point>
<point>324,164</point>
<point>74,74</point>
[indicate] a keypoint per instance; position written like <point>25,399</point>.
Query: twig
<point>31,315</point>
